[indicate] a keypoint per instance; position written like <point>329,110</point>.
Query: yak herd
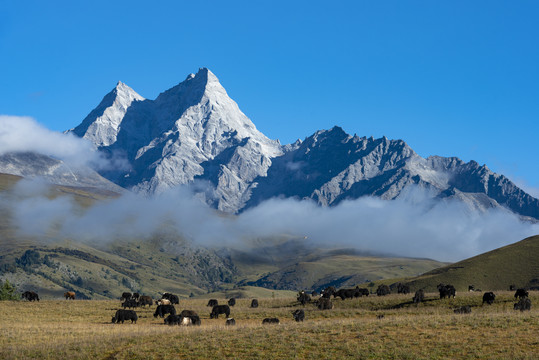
<point>165,306</point>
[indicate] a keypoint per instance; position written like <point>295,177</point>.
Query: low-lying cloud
<point>415,226</point>
<point>24,134</point>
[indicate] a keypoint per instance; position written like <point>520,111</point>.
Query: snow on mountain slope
<point>331,166</point>
<point>195,133</point>
<point>101,126</point>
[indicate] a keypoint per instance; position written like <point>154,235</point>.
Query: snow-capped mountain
<point>331,166</point>
<point>194,132</point>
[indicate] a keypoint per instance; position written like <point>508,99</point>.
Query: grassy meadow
<point>82,329</point>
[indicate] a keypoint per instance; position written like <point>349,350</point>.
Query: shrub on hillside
<point>8,291</point>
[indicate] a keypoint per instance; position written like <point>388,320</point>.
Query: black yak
<point>324,304</point>
<point>219,309</point>
<point>446,291</point>
<point>303,298</point>
<point>174,299</point>
<point>162,310</point>
<point>383,290</point>
<point>523,304</point>
<point>521,293</point>
<point>463,310</point>
<point>30,296</point>
<point>298,315</point>
<point>419,296</point>
<point>489,297</point>
<point>124,315</point>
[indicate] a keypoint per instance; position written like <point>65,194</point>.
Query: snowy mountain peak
<point>101,126</point>
<point>191,131</point>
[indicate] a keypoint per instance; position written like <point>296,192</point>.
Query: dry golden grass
<point>82,330</point>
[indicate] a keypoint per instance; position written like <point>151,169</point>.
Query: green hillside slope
<point>516,264</point>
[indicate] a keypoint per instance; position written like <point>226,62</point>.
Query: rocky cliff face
<point>194,133</point>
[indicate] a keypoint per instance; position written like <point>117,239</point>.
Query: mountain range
<point>194,133</point>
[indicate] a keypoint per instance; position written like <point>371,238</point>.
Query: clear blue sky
<point>451,78</point>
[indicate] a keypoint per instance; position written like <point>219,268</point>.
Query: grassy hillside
<point>341,270</point>
<point>516,264</point>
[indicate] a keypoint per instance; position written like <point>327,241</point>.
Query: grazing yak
<point>231,302</point>
<point>163,302</point>
<point>186,317</point>
<point>489,297</point>
<point>523,304</point>
<point>521,293</point>
<point>403,289</point>
<point>212,302</point>
<point>298,315</point>
<point>220,309</point>
<point>327,292</point>
<point>463,310</point>
<point>345,293</point>
<point>186,313</point>
<point>124,315</point>
<point>383,290</point>
<point>125,296</point>
<point>190,320</point>
<point>173,320</point>
<point>130,303</point>
<point>174,299</point>
<point>362,291</point>
<point>145,300</point>
<point>69,295</point>
<point>324,304</point>
<point>270,321</point>
<point>419,296</point>
<point>30,296</point>
<point>162,310</point>
<point>446,291</point>
<point>254,303</point>
<point>303,298</point>
<point>230,322</point>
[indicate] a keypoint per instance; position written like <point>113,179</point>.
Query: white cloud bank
<point>446,231</point>
<point>24,134</point>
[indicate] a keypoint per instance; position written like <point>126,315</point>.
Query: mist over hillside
<point>413,226</point>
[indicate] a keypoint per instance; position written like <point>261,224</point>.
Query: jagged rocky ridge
<point>194,133</point>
